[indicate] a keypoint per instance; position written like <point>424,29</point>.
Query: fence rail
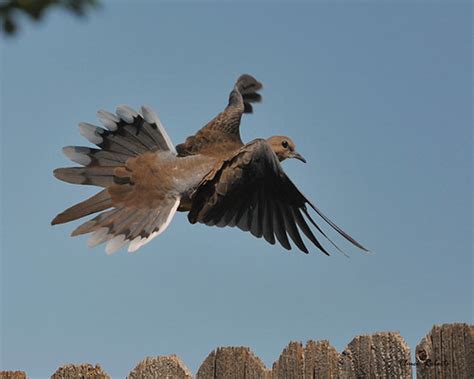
<point>447,351</point>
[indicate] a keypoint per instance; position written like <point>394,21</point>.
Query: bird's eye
<point>284,143</point>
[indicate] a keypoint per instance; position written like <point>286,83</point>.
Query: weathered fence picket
<point>446,352</point>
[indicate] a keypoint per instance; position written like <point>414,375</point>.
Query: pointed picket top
<point>233,362</point>
<point>83,371</point>
<point>169,366</point>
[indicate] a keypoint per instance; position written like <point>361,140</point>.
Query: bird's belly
<point>187,173</point>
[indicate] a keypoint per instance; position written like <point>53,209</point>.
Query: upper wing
<point>251,191</point>
<point>224,128</point>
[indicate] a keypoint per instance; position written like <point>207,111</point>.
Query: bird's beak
<point>298,156</point>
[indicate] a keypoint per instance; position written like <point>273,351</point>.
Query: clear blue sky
<point>377,98</point>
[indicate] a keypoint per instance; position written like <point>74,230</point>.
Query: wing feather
<point>279,227</point>
<point>257,214</point>
<point>291,228</point>
<point>251,191</point>
<point>225,127</point>
<point>267,222</point>
<point>306,230</point>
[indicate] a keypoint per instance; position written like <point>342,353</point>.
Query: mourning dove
<point>213,175</point>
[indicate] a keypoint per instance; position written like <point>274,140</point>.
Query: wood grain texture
<point>447,351</point>
<point>170,367</point>
<point>290,364</point>
<point>318,359</point>
<point>13,375</point>
<point>321,360</point>
<point>380,355</point>
<point>82,371</point>
<point>232,363</point>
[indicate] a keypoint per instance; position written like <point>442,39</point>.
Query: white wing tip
<point>126,113</point>
<point>99,236</point>
<point>135,244</point>
<point>75,156</point>
<point>150,116</point>
<point>109,120</point>
<point>90,132</point>
<point>115,244</point>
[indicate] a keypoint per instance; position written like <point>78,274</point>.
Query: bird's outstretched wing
<point>251,191</point>
<point>223,130</point>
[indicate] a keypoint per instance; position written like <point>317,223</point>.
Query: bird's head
<point>284,148</point>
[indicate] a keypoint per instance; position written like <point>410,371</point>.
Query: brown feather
<point>101,176</point>
<point>96,203</point>
<point>224,128</point>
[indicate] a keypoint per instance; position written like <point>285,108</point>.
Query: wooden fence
<point>447,351</point>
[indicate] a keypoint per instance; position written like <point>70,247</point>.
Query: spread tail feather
<point>135,226</point>
<point>128,135</point>
<point>101,176</point>
<point>96,203</point>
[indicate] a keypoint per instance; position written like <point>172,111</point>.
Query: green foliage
<point>35,9</point>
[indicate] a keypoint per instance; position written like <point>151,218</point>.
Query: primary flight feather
<point>213,176</point>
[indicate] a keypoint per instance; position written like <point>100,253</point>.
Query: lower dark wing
<point>251,191</point>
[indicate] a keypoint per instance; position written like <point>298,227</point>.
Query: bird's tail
<point>97,203</point>
<point>128,225</point>
<point>248,87</point>
<point>128,135</point>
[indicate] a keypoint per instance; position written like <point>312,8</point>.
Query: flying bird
<point>213,176</point>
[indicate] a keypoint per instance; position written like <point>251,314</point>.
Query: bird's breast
<point>179,176</point>
<point>186,174</point>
